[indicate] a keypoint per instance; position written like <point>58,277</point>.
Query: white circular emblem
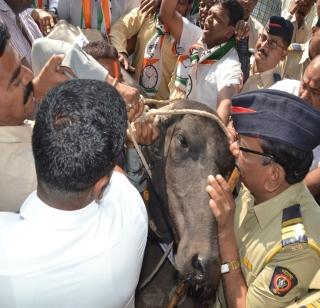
<point>189,86</point>
<point>149,77</point>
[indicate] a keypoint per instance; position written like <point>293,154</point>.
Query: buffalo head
<point>190,148</point>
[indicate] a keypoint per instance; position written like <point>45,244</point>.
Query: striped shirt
<point>17,39</point>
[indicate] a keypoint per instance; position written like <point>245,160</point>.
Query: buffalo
<point>190,147</point>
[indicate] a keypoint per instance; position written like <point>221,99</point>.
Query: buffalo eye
<point>182,141</point>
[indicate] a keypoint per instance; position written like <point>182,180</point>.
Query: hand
<point>123,59</point>
<point>44,19</point>
<point>293,6</point>
<point>242,29</point>
<point>145,132</point>
<point>149,7</point>
<point>51,75</point>
<point>221,203</point>
<point>132,99</point>
<point>232,133</point>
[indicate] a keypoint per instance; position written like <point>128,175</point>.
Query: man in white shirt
<point>209,70</point>
<point>79,239</point>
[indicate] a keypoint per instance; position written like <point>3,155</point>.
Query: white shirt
<point>209,79</point>
<point>74,259</point>
<point>71,11</point>
<point>292,86</point>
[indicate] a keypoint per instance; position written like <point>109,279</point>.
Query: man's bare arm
<point>224,102</point>
<point>171,18</point>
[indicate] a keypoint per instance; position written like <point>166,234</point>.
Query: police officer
<point>269,242</point>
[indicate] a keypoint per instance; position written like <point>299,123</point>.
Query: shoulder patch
<point>282,281</point>
<point>292,228</point>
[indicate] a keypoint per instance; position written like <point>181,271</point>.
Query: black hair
<point>295,162</point>
<point>79,131</point>
<point>235,10</point>
<point>4,37</point>
<point>101,49</point>
<point>317,25</point>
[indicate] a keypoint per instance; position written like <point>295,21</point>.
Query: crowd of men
<point>73,226</point>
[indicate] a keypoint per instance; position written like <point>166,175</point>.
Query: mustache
<point>262,51</point>
<point>27,92</point>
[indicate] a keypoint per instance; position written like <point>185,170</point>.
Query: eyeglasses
<point>247,150</point>
<point>272,43</point>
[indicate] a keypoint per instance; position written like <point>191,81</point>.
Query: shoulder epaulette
<point>292,228</point>
<point>293,235</point>
<point>296,47</point>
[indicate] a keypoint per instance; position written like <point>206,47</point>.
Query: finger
<point>151,11</point>
<point>146,7</point>
<point>214,209</point>
<point>126,64</point>
<point>51,22</point>
<point>55,61</point>
<point>223,183</point>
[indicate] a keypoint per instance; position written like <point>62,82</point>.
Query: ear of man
<point>99,187</point>
<point>275,178</point>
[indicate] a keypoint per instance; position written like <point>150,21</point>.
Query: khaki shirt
<point>262,80</point>
<point>296,61</point>
<point>313,298</point>
<point>137,23</point>
<point>258,233</point>
<point>17,172</point>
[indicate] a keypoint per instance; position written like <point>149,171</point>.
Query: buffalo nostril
<point>199,264</point>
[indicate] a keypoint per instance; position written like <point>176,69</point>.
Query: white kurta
<point>86,258</point>
<point>208,79</point>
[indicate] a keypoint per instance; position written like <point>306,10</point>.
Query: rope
<point>201,113</point>
<point>155,271</point>
<point>135,143</point>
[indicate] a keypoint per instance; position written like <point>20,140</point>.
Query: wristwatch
<point>229,266</point>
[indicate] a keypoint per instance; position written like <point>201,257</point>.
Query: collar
<point>34,210</point>
<point>267,76</point>
<point>305,53</point>
<point>269,210</point>
<point>17,134</point>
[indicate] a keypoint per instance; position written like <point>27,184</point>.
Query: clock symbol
<point>149,77</point>
<point>189,86</point>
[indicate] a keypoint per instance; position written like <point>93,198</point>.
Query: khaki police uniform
<point>296,61</point>
<point>17,171</point>
<point>312,299</point>
<point>262,80</point>
<point>278,242</point>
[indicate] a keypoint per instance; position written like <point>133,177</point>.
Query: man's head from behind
<point>278,132</point>
<point>19,5</point>
<point>106,55</point>
<point>16,99</point>
<point>220,23</point>
<point>310,83</point>
<point>79,132</point>
<point>273,42</point>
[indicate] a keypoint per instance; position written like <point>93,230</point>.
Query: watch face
<point>189,86</point>
<point>149,77</point>
<point>225,268</point>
